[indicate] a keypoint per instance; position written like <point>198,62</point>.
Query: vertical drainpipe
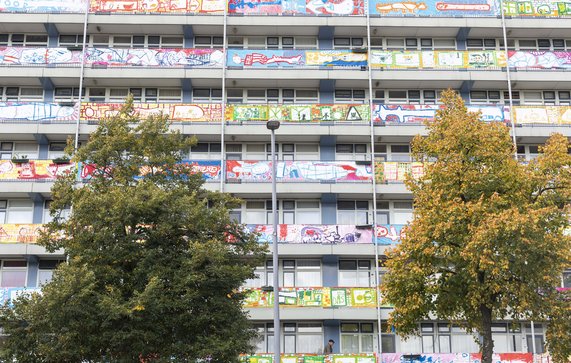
<point>223,119</point>
<point>512,120</point>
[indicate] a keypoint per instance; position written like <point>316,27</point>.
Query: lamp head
<point>273,125</point>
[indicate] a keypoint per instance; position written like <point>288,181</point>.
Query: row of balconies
<point>311,59</point>
<point>311,8</point>
<point>385,234</point>
<point>304,113</point>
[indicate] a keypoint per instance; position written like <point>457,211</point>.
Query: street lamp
<point>273,126</point>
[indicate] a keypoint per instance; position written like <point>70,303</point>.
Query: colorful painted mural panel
<point>33,170</point>
<point>437,8</point>
<point>308,171</point>
<point>537,8</point>
<point>175,111</point>
<point>38,56</point>
<point>159,6</point>
<point>389,234</point>
<point>335,58</point>
<point>353,113</point>
<point>37,111</point>
<point>265,58</point>
<point>437,59</point>
<point>312,233</point>
<point>311,358</point>
<point>180,57</point>
<point>210,169</point>
<point>20,233</point>
<point>555,115</point>
<point>391,172</point>
<point>425,113</point>
<point>539,59</point>
<point>297,7</point>
<point>43,6</point>
<point>319,297</point>
<point>454,358</point>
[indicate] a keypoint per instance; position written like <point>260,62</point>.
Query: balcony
<point>294,114</point>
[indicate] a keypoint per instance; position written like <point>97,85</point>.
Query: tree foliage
<point>487,240</point>
<point>150,273</point>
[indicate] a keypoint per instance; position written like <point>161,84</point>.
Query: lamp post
<point>273,126</point>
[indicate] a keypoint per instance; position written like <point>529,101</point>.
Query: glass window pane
<point>388,343</point>
<point>14,278</point>
<point>309,343</point>
<point>444,342</point>
<point>350,343</point>
<point>427,344</point>
<point>289,344</point>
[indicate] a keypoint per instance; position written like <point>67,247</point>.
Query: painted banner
<point>481,59</point>
<point>389,234</point>
<point>20,233</point>
<point>180,57</point>
<point>8,294</point>
<point>33,170</point>
<point>322,297</point>
<point>38,56</point>
<point>297,7</point>
<point>159,6</point>
<point>335,58</point>
<point>421,113</point>
<point>37,111</point>
<point>537,8</point>
<point>353,113</point>
<point>312,233</point>
<point>265,58</point>
<point>175,111</point>
<point>310,358</point>
<point>539,59</point>
<point>113,57</point>
<point>392,171</point>
<point>554,115</point>
<point>299,171</point>
<point>455,358</point>
<point>437,8</point>
<point>210,169</point>
<point>43,6</point>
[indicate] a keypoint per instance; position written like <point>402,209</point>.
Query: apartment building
<point>351,82</point>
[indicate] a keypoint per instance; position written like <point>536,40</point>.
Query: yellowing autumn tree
<point>487,241</point>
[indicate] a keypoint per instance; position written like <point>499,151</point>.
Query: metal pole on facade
<point>223,102</point>
<point>506,55</point>
<point>374,182</point>
<point>533,348</point>
<point>273,126</point>
<point>81,69</point>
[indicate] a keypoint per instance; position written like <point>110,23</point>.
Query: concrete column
<point>330,265</point>
<point>329,208</point>
<point>325,37</point>
<point>327,147</point>
<point>33,269</point>
<point>326,91</point>
<point>331,330</point>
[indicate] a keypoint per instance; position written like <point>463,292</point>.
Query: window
<point>353,212</point>
<point>64,214</point>
<point>13,273</point>
<point>46,270</point>
<point>289,212</point>
<point>351,152</point>
<point>208,41</point>
<point>358,338</point>
<point>566,279</point>
<point>493,97</point>
<point>67,94</point>
<point>350,95</point>
<point>11,150</point>
<point>302,337</point>
<point>527,152</point>
<point>402,212</point>
<point>21,94</point>
<point>538,338</point>
<point>205,151</point>
<point>348,43</point>
<point>206,94</point>
<point>301,273</point>
<point>19,211</point>
<point>481,44</point>
<point>24,40</point>
<point>413,43</point>
<point>355,273</point>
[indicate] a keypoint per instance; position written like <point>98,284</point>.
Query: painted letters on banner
<point>43,6</point>
<point>260,171</point>
<point>38,56</point>
<point>181,57</point>
<point>20,233</point>
<point>302,7</point>
<point>537,8</point>
<point>266,58</point>
<point>37,111</point>
<point>423,113</point>
<point>554,115</point>
<point>175,111</point>
<point>159,6</point>
<point>352,113</point>
<point>312,233</point>
<point>33,170</point>
<point>391,172</point>
<point>389,234</point>
<point>441,8</point>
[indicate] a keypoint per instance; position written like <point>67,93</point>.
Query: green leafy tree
<point>487,240</point>
<point>151,275</point>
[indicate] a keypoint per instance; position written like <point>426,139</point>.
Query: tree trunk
<point>487,347</point>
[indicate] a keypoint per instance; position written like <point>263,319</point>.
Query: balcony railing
<point>316,297</point>
<point>383,114</point>
<point>287,59</point>
<point>444,8</point>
